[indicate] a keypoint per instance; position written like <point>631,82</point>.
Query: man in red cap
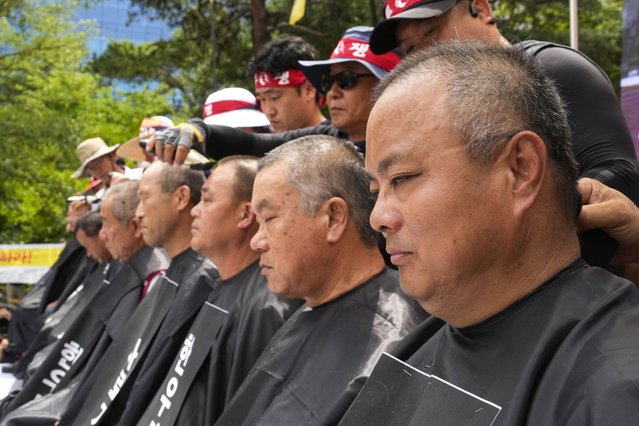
<point>346,79</point>
<point>601,141</point>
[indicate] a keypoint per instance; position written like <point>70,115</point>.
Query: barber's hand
<point>173,145</point>
<point>608,209</point>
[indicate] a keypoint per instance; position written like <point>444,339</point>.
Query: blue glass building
<point>111,18</point>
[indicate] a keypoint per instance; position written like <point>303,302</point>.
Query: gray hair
<point>173,177</point>
<point>245,167</point>
<point>320,167</point>
<point>124,200</point>
<point>493,93</point>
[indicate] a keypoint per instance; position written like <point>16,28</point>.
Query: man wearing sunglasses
<point>601,141</point>
<point>354,69</point>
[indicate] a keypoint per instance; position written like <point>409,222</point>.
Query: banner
<point>26,263</point>
<point>630,68</point>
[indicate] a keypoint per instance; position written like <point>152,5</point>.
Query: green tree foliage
<point>599,27</point>
<point>51,98</point>
<point>49,103</point>
<point>214,41</point>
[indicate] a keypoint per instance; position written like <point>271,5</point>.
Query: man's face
<point>415,34</point>
<point>156,212</point>
<point>118,238</point>
<point>290,243</point>
<point>216,216</point>
<point>349,108</point>
<point>99,167</point>
<point>285,107</point>
<point>441,213</point>
<point>94,246</point>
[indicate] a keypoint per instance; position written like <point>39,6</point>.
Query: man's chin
<point>276,287</point>
<point>411,285</point>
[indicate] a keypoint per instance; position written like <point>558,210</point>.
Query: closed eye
<point>398,180</point>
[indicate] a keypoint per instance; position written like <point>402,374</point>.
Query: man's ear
<point>183,197</point>
<point>337,216</point>
<point>484,12</point>
<point>137,229</point>
<point>527,159</point>
<point>308,91</point>
<point>247,217</point>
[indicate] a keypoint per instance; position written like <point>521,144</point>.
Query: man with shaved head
<point>312,205</point>
<point>470,158</point>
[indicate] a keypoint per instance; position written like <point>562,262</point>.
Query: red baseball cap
<point>352,47</point>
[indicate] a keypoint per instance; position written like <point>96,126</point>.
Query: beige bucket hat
<point>88,151</point>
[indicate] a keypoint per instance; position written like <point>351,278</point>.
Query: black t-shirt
<point>315,364</point>
<point>602,143</point>
<point>568,354</point>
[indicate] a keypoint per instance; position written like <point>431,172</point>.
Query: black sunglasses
<point>345,80</point>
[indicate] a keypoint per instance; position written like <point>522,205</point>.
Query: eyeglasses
<point>345,80</point>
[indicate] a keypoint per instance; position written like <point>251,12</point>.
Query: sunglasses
<point>345,80</point>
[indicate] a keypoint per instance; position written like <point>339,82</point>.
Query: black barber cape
<point>568,354</point>
<point>148,347</point>
<point>216,365</point>
<point>85,341</point>
<point>66,313</point>
<point>313,367</point>
<point>26,321</point>
<point>116,302</point>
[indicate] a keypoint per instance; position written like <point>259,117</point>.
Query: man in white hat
<point>99,160</point>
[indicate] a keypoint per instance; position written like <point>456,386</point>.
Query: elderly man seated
<point>312,204</point>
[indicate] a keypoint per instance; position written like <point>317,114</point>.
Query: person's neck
<point>315,119</point>
<point>349,268</point>
<point>525,268</point>
<point>136,246</point>
<point>233,260</point>
<point>357,135</point>
<point>180,238</point>
<point>493,35</point>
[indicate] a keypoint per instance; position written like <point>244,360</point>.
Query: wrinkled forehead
<point>271,187</point>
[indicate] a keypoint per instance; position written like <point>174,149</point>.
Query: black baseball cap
<point>383,36</point>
